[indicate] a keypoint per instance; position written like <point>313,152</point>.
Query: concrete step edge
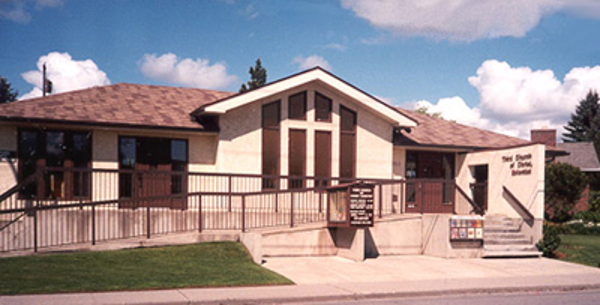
<point>505,235</point>
<point>509,247</point>
<point>512,254</point>
<point>508,242</point>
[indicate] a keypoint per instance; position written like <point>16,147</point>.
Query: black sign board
<point>361,205</point>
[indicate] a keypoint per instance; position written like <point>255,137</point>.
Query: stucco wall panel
<point>8,167</point>
<point>239,148</point>
<point>528,188</point>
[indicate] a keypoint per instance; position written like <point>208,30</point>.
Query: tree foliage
<point>564,185</point>
<point>258,77</point>
<point>584,125</point>
<point>7,94</point>
<point>425,110</point>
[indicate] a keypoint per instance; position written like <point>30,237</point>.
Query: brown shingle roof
<point>120,104</point>
<point>581,154</point>
<point>439,132</point>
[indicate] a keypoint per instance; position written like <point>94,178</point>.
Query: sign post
<point>351,205</point>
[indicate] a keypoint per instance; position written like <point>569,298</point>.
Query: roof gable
<point>312,75</point>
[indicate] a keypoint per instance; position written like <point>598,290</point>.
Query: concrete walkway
<point>324,278</point>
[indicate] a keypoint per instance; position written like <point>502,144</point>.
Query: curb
<point>393,295</point>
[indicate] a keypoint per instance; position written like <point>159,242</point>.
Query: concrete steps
<point>503,238</point>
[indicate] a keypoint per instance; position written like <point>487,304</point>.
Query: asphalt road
<point>531,298</point>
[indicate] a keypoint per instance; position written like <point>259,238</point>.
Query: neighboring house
<point>579,154</point>
<point>312,124</point>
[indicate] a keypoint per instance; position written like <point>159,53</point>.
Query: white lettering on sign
<point>520,164</point>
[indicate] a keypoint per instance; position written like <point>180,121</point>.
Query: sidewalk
<point>324,278</point>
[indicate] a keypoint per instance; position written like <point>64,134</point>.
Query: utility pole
<point>44,80</point>
<point>46,83</point>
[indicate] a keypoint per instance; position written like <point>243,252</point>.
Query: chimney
<point>544,136</point>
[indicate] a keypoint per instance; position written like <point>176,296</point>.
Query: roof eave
<point>101,124</point>
<point>315,74</point>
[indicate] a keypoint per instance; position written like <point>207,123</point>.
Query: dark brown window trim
<point>350,133</point>
<point>268,183</point>
<point>294,155</point>
<point>329,116</point>
<point>319,153</point>
<point>305,95</point>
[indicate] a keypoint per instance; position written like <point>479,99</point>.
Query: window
<point>65,154</point>
<point>322,108</point>
<point>347,142</point>
<point>297,157</point>
<point>322,157</point>
<point>270,143</point>
<point>297,106</point>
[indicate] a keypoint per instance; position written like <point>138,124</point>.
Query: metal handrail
<point>518,202</point>
<point>479,210</point>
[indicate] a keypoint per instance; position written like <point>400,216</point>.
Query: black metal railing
<point>111,204</point>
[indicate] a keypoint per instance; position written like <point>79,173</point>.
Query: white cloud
<point>336,46</point>
<point>249,11</point>
<point>65,73</point>
<point>312,61</point>
<point>186,72</point>
<point>521,94</point>
<point>48,3</point>
<point>463,20</point>
<point>14,11</point>
<point>515,100</point>
<point>17,10</point>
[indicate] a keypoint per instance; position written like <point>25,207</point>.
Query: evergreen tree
<point>7,94</point>
<point>585,122</point>
<point>258,77</point>
<point>563,188</point>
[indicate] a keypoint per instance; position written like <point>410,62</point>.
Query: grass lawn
<point>200,265</point>
<point>581,249</point>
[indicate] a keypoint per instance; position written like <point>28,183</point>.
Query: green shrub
<point>588,216</point>
<point>549,242</point>
<point>580,228</point>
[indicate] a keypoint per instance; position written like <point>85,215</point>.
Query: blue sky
<point>506,65</point>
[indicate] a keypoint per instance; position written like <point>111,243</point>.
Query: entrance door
<point>159,166</point>
<point>429,185</point>
<point>479,188</point>
<point>430,167</point>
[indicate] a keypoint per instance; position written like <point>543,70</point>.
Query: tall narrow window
<point>347,142</point>
<point>270,143</point>
<point>322,157</point>
<point>323,108</point>
<point>297,157</point>
<point>29,152</point>
<point>81,154</point>
<point>297,106</point>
